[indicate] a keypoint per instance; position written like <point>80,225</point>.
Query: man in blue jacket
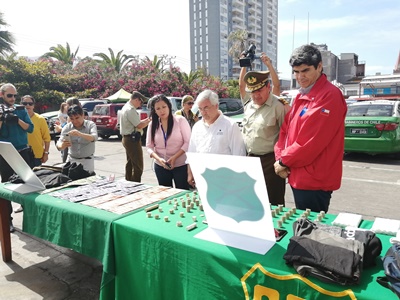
<point>15,124</point>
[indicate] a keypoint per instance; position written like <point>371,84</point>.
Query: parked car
<point>228,106</point>
<point>289,95</point>
<point>231,107</point>
<point>89,104</point>
<point>176,103</point>
<point>105,116</point>
<point>373,127</point>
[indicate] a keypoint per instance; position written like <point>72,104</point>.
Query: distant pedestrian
<point>40,138</point>
<point>186,111</point>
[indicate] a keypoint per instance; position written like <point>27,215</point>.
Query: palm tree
<point>158,64</point>
<point>117,62</point>
<point>62,53</point>
<point>192,76</point>
<point>6,38</point>
<point>238,40</point>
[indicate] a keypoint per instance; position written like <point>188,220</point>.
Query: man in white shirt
<point>214,133</point>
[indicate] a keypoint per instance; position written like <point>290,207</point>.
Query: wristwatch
<point>281,163</point>
<point>46,152</point>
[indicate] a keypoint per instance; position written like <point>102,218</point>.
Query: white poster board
<point>235,201</point>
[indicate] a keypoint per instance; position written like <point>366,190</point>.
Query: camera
<point>250,56</point>
<point>52,126</point>
<point>7,114</point>
<point>136,136</point>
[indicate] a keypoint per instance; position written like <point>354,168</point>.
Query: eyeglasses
<point>189,103</point>
<point>205,108</point>
<point>11,95</point>
<point>27,103</point>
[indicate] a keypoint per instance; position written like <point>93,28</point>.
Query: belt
<point>23,149</point>
<point>130,135</point>
<point>89,157</point>
<point>260,155</point>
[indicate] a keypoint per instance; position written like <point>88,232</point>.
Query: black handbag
<point>391,266</point>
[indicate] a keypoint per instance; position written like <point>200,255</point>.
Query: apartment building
<point>211,22</point>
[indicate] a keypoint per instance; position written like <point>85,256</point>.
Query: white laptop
<point>235,201</point>
<point>22,169</point>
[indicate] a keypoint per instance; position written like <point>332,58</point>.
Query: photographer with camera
<point>245,60</point>
<point>79,135</point>
<point>15,124</point>
<point>131,129</point>
<point>264,114</point>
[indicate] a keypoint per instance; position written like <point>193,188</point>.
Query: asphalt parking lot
<point>40,270</point>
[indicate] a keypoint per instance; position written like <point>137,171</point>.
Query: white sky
<point>365,27</point>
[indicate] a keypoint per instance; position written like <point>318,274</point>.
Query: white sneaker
<point>19,209</point>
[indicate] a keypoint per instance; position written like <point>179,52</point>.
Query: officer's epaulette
<point>283,101</point>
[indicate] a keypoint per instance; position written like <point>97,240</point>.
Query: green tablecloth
<point>72,225</point>
<point>155,259</point>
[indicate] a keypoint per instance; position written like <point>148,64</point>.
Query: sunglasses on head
<point>11,95</point>
<point>27,103</point>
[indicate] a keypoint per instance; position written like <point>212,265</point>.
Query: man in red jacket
<point>310,148</point>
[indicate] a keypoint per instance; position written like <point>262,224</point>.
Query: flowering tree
<point>52,81</point>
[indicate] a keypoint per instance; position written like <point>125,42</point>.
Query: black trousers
<point>275,184</point>
<point>178,175</point>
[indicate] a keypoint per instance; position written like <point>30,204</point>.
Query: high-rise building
<point>211,22</point>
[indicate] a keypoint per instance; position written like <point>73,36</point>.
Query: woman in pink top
<point>167,139</point>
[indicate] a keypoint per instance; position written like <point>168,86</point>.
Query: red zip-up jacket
<point>311,139</point>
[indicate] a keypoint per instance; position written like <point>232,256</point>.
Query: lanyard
<point>164,135</point>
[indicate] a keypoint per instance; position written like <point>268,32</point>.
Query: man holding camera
<point>131,129</point>
<point>79,135</point>
<point>15,124</point>
<point>263,117</point>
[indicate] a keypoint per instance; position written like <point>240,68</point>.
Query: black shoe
<point>12,229</point>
